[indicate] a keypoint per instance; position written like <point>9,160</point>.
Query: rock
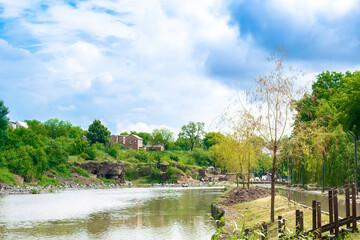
<point>19,179</point>
<point>105,169</point>
<point>163,167</point>
<point>202,173</point>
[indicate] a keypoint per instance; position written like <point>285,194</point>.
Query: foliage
<point>212,138</point>
<point>4,123</point>
<point>201,156</point>
<point>6,176</point>
<point>77,146</point>
<point>192,134</point>
<point>80,171</point>
<point>44,180</point>
<point>98,133</point>
<point>162,136</point>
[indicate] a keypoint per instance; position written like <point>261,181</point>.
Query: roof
<point>136,136</point>
<point>22,124</point>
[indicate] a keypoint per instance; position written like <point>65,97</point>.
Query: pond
<point>127,213</point>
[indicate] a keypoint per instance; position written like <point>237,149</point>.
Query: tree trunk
<point>272,214</point>
<point>237,180</point>
<point>248,183</point>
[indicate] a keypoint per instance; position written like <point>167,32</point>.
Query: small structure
<point>131,141</point>
<point>18,124</point>
<point>155,147</point>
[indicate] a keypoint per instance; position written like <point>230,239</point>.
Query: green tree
<point>349,103</point>
<point>162,136</point>
<point>192,133</point>
<point>212,138</point>
<point>144,135</point>
<point>98,133</point>
<point>57,128</point>
<point>4,123</point>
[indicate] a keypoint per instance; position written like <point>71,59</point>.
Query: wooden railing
<point>334,225</point>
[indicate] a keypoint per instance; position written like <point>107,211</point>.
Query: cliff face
<point>106,169</point>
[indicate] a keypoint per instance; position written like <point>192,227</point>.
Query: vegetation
<point>190,135</point>
<point>41,153</point>
<point>253,214</point>
<point>4,122</point>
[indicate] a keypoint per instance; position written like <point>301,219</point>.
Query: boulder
<point>106,169</point>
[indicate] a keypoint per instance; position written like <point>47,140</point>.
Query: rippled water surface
<point>132,213</point>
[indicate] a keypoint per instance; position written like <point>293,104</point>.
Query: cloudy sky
<point>144,64</point>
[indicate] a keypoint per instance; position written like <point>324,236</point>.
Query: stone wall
<point>106,169</point>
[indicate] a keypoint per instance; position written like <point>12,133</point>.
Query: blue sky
<point>140,65</point>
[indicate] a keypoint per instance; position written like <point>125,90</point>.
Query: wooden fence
<point>333,227</point>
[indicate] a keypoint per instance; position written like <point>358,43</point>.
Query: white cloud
<point>147,55</point>
<point>308,11</point>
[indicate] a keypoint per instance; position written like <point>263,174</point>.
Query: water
<point>306,198</point>
<point>132,213</point>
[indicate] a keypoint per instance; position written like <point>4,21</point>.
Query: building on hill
<point>18,124</point>
<point>155,147</point>
<point>131,141</point>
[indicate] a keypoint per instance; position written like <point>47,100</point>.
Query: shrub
<point>34,191</point>
<point>63,171</point>
<point>202,157</point>
<point>142,155</point>
<point>48,181</point>
<point>91,152</point>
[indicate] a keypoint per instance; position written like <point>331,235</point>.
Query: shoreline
<point>24,190</point>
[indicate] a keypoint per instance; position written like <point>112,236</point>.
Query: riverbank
<point>252,214</point>
<point>9,190</point>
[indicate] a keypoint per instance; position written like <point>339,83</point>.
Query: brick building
<point>131,141</point>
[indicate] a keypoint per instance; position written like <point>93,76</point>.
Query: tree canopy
<point>98,133</point>
<point>4,123</point>
<point>192,134</point>
<point>162,136</point>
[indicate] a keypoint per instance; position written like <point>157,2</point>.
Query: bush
<point>34,191</point>
<point>48,181</point>
<point>91,152</point>
<point>202,157</point>
<point>142,155</point>
<point>85,156</point>
<point>63,171</point>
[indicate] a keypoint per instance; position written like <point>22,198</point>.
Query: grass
<point>7,177</point>
<point>80,171</point>
<point>255,212</point>
<point>48,181</point>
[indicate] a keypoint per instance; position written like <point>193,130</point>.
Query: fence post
<point>331,213</point>
<point>279,226</point>
<point>264,231</point>
<point>347,202</point>
<point>301,221</point>
<point>318,210</point>
<point>297,224</point>
<point>353,192</point>
<point>314,214</point>
<point>336,213</point>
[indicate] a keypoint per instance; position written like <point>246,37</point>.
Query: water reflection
<point>306,198</point>
<point>166,213</point>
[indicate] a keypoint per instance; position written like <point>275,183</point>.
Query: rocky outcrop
<point>106,169</point>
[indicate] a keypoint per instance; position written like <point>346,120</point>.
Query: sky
<point>145,64</point>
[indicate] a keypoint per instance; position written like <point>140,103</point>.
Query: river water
<point>128,213</point>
